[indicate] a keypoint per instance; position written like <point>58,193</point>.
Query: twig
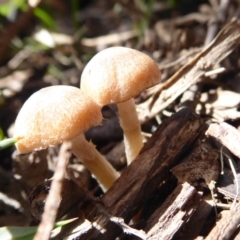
<point>114,38</point>
<point>193,62</point>
<point>234,174</point>
<point>53,199</point>
<point>224,43</point>
<point>215,71</point>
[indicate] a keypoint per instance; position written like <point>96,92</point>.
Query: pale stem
<point>131,128</point>
<point>96,163</point>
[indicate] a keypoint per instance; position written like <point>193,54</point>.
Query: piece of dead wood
<point>15,81</point>
<point>193,228</point>
<point>227,135</point>
<point>70,196</point>
<point>139,181</point>
<point>165,222</point>
<point>30,169</point>
<point>191,96</point>
<point>227,226</point>
<point>202,163</point>
<point>220,104</point>
<point>166,30</point>
<point>110,39</point>
<point>224,43</point>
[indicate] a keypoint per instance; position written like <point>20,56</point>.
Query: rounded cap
<point>52,115</point>
<point>117,74</point>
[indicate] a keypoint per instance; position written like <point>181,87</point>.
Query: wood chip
<point>227,225</point>
<point>201,163</point>
<point>138,182</point>
<point>227,135</point>
<point>165,222</point>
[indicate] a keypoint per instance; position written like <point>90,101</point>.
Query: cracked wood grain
<point>227,135</point>
<point>174,213</point>
<point>139,181</point>
<point>227,226</point>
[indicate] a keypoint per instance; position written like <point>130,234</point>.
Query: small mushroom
<point>117,75</point>
<point>62,113</point>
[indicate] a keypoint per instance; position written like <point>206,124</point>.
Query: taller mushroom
<point>62,113</point>
<point>117,75</point>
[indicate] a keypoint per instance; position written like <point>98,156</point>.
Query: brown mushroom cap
<point>117,74</point>
<point>52,115</point>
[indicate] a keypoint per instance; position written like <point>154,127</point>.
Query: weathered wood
<point>227,226</point>
<point>70,195</point>
<point>174,213</point>
<point>227,135</point>
<point>237,237</point>
<point>143,176</point>
<point>223,44</point>
<point>201,163</point>
<point>194,226</point>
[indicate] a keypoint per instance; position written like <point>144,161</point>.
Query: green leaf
<point>45,17</point>
<point>22,4</point>
<point>53,70</point>
<point>6,9</point>
<point>7,143</point>
<point>25,233</point>
<point>75,6</point>
<point>65,222</point>
<point>17,233</point>
<point>1,134</point>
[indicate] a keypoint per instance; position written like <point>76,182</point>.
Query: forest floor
<point>184,184</point>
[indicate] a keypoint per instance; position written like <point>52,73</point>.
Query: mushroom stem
<point>97,164</point>
<point>131,128</point>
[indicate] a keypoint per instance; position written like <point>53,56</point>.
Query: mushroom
<point>62,113</point>
<point>117,75</point>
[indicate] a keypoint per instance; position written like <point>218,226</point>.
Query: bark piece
<point>174,213</point>
<point>31,169</point>
<point>227,135</point>
<point>196,223</point>
<point>227,226</point>
<point>201,163</point>
<point>147,171</point>
<point>70,196</point>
